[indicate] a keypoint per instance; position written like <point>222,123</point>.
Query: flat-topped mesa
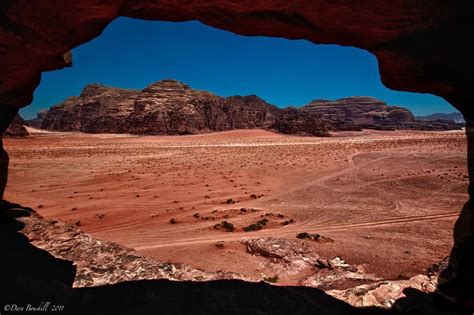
<point>362,111</point>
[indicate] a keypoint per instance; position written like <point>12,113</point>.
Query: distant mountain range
<point>170,107</point>
<point>454,117</point>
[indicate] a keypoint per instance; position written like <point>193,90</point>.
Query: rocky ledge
<point>47,257</point>
<point>99,262</point>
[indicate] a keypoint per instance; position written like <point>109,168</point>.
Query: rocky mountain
<point>454,117</point>
<point>169,107</point>
<point>370,113</point>
<point>172,107</point>
<point>16,129</point>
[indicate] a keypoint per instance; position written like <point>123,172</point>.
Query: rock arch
<point>419,46</point>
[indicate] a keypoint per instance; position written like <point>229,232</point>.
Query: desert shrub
<point>263,222</point>
<point>229,227</point>
<point>256,226</point>
<point>303,235</point>
<point>286,222</point>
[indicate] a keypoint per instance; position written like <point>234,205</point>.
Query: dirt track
<point>386,198</point>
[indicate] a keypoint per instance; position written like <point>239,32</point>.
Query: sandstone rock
<point>367,112</point>
<point>16,129</point>
<point>384,293</point>
<point>99,262</point>
<point>420,47</point>
<point>284,256</point>
<point>171,107</point>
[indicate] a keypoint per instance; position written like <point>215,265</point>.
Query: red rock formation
<point>172,107</point>
<point>419,45</point>
<point>360,111</point>
<point>16,129</point>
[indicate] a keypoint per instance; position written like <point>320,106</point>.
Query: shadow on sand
<point>30,275</point>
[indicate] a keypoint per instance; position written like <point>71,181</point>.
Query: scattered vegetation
<point>229,227</point>
<point>288,222</point>
<point>256,226</point>
<point>230,201</point>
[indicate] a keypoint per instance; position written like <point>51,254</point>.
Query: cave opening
<point>389,174</point>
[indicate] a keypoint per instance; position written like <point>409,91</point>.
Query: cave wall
<point>420,44</point>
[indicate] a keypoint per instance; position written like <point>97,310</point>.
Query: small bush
<point>303,235</point>
<point>263,222</point>
<point>256,226</point>
<point>229,227</point>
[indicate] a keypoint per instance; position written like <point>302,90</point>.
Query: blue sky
<point>134,53</point>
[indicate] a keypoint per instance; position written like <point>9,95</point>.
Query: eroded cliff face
<point>371,113</point>
<point>171,107</point>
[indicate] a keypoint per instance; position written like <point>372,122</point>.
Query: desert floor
<point>388,199</point>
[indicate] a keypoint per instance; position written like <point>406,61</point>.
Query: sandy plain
<point>388,199</point>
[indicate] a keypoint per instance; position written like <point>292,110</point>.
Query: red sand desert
<point>388,199</point>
